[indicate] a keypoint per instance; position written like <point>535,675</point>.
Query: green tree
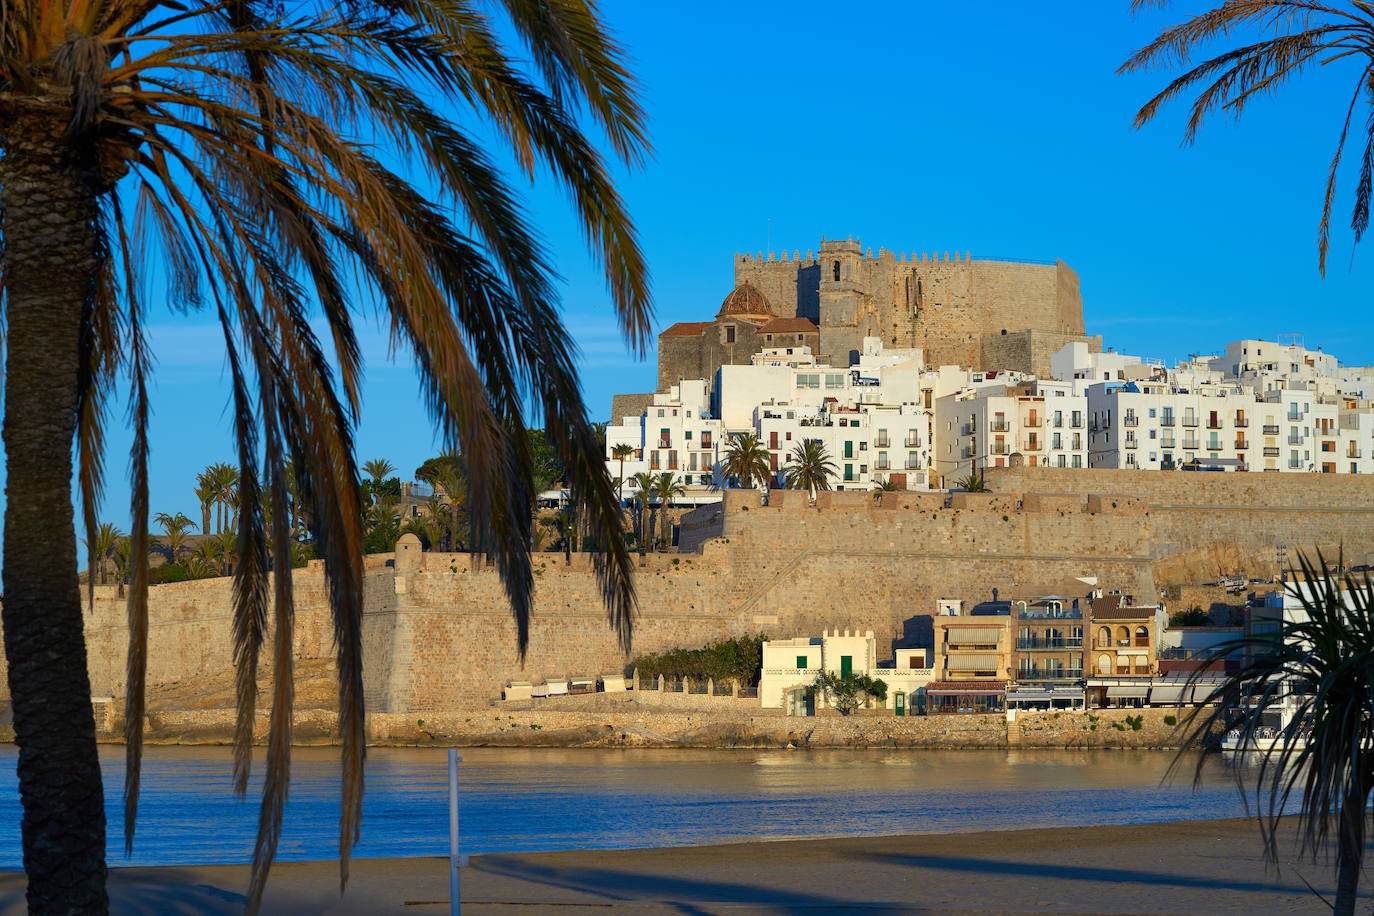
<point>448,476</point>
<point>974,483</point>
<point>1322,659</point>
<point>745,459</point>
<point>207,493</point>
<point>847,693</point>
<point>645,484</point>
<point>1297,37</point>
<point>1195,616</point>
<point>176,529</point>
<point>811,468</point>
<point>620,452</point>
<point>100,549</point>
<point>250,159</point>
<point>667,487</point>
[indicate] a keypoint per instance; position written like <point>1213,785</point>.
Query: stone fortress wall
<point>438,634</point>
<point>945,304</point>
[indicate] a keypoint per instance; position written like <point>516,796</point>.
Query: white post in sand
<point>455,861</point>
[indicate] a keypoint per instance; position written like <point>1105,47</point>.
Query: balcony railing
<point>1049,674</point>
<point>1033,423</point>
<point>912,442</point>
<point>1241,444</point>
<point>1050,613</point>
<point>1271,451</point>
<point>1242,423</point>
<point>1294,417</point>
<point>1076,422</point>
<point>1166,420</point>
<point>1213,424</point>
<point>1033,444</point>
<point>1294,463</point>
<point>1353,452</point>
<point>1130,420</point>
<point>665,443</point>
<point>1270,429</point>
<point>1294,439</point>
<point>999,448</point>
<point>880,441</point>
<point>1190,421</point>
<point>1044,642</point>
<point>1131,443</point>
<point>1166,442</point>
<point>1000,426</point>
<point>882,464</point>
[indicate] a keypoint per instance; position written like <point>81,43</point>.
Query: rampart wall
<point>438,634</point>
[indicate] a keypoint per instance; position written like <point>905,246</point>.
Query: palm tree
<point>175,530</point>
<point>668,486</point>
<point>224,480</point>
<point>620,452</point>
<point>447,474</point>
<point>645,485</point>
<point>262,152</point>
<point>100,548</point>
<point>1322,659</point>
<point>207,494</point>
<point>745,458</point>
<point>811,468</point>
<point>1301,35</point>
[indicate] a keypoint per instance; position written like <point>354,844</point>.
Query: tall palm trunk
<point>49,217</point>
<point>1350,848</point>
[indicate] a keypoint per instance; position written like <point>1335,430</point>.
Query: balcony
<point>882,465</point>
<point>1241,444</point>
<point>1190,443</point>
<point>1058,422</point>
<point>1000,426</point>
<point>881,441</point>
<point>1295,463</point>
<point>1033,423</point>
<point>912,442</point>
<point>1166,420</point>
<point>1214,424</point>
<point>1294,417</point>
<point>1049,674</point>
<point>1050,613</point>
<point>999,448</point>
<point>1354,452</point>
<point>1131,443</point>
<point>1033,444</point>
<point>1294,439</point>
<point>966,452</point>
<point>1130,420</point>
<point>1166,442</point>
<point>1270,429</point>
<point>705,440</point>
<point>912,465</point>
<point>1271,451</point>
<point>1189,421</point>
<point>1076,422</point>
<point>967,429</point>
<point>665,443</point>
<point>1242,423</point>
<point>1044,642</point>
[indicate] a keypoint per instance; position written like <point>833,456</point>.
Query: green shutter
<point>846,665</point>
<point>801,661</point>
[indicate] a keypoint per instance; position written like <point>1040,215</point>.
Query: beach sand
<point>1192,868</point>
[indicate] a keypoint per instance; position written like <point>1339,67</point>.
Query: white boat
<point>1269,733</point>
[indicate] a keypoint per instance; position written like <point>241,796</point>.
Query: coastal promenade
<point>1194,868</point>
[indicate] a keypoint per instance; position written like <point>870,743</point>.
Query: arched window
<point>1104,637</point>
<point>1124,634</point>
<point>836,268</point>
<point>1104,664</point>
<point>1142,636</point>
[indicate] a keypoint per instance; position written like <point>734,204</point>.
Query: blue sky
<point>913,127</point>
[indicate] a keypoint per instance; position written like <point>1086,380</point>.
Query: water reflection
<point>537,798</point>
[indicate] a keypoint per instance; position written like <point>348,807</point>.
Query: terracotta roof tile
<point>686,329</point>
<point>789,326</point>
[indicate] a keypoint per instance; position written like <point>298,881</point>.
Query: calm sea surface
<point>539,799</point>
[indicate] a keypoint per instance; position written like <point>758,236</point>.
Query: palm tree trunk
<point>1350,850</point>
<point>49,219</point>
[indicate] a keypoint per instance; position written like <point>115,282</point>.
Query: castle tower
<point>843,301</point>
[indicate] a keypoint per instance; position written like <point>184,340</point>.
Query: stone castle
<point>983,313</point>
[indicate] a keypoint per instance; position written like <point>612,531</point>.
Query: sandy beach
<point>1182,869</point>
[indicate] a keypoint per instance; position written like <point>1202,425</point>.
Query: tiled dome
<point>746,301</point>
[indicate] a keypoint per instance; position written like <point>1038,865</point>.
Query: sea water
<point>514,800</point>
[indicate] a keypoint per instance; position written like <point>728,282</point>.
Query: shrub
<point>739,658</point>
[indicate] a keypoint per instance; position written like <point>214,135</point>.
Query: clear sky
<point>914,127</point>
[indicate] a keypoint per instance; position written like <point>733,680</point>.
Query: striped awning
<point>972,663</point>
<point>970,636</point>
<point>965,691</point>
<point>1131,692</point>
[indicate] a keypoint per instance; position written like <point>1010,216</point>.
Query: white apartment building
<point>1043,424</point>
<point>1162,426</point>
<point>676,433</point>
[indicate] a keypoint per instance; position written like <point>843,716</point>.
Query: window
<point>1078,461</point>
<point>729,333</point>
<point>836,268</point>
<point>834,380</point>
<point>801,662</point>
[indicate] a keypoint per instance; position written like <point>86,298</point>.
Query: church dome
<point>745,301</point>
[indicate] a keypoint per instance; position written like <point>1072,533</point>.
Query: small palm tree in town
<point>176,528</point>
<point>810,468</point>
<point>668,487</point>
<point>1298,36</point>
<point>207,494</point>
<point>645,484</point>
<point>746,459</point>
<point>1320,663</point>
<point>100,548</point>
<point>620,452</point>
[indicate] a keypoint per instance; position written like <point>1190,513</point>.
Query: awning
<point>972,663</point>
<point>970,636</point>
<point>1129,692</point>
<point>1206,693</point>
<point>1170,694</point>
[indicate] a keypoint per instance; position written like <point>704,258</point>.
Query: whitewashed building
<point>790,666</point>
